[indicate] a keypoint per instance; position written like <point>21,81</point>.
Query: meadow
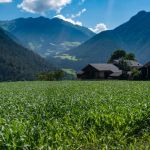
<point>75,115</point>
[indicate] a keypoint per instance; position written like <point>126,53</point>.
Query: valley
<point>47,37</point>
<point>72,47</point>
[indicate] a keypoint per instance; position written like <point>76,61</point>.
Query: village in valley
<point>120,66</point>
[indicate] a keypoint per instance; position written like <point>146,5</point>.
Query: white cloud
<point>99,28</point>
<point>79,13</point>
<point>81,2</point>
<point>5,1</point>
<point>69,20</point>
<point>40,6</point>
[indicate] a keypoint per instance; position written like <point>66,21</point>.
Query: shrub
<point>135,74</point>
<point>51,76</point>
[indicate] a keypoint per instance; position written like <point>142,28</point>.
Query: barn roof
<point>147,64</point>
<point>105,67</point>
<point>131,63</point>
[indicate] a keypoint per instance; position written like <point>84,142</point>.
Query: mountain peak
<point>132,36</point>
<point>142,12</point>
<point>42,18</point>
<point>32,19</point>
<point>41,34</point>
<point>58,19</point>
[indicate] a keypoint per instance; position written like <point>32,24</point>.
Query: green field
<point>75,115</point>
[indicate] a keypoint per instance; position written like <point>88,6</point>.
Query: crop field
<point>76,115</point>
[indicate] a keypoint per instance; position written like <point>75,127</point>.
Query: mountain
<point>17,62</point>
<point>47,36</point>
<point>132,36</point>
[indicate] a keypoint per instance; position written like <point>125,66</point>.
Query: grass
<point>69,45</point>
<point>75,115</point>
<point>67,57</point>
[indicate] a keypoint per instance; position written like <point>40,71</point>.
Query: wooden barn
<point>146,71</point>
<point>99,71</point>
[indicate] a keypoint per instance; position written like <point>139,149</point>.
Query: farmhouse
<point>99,71</point>
<point>146,71</point>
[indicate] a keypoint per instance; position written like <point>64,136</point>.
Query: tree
<point>118,54</point>
<point>45,76</point>
<point>123,65</point>
<point>58,75</point>
<point>51,76</point>
<point>130,56</point>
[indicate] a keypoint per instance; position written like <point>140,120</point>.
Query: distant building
<point>146,71</point>
<point>99,71</point>
<point>134,64</point>
<point>131,63</point>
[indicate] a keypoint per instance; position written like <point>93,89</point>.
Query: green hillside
<point>17,62</point>
<point>132,36</point>
<point>47,36</point>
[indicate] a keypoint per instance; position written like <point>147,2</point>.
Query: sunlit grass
<point>75,115</point>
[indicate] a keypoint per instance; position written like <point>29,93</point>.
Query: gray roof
<point>131,63</point>
<point>147,64</point>
<point>105,67</point>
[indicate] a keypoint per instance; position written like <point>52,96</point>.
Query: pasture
<point>75,115</point>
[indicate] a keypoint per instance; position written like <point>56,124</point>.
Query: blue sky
<point>88,12</point>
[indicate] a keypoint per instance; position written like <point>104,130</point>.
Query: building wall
<point>91,73</point>
<point>100,75</point>
<point>146,73</point>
